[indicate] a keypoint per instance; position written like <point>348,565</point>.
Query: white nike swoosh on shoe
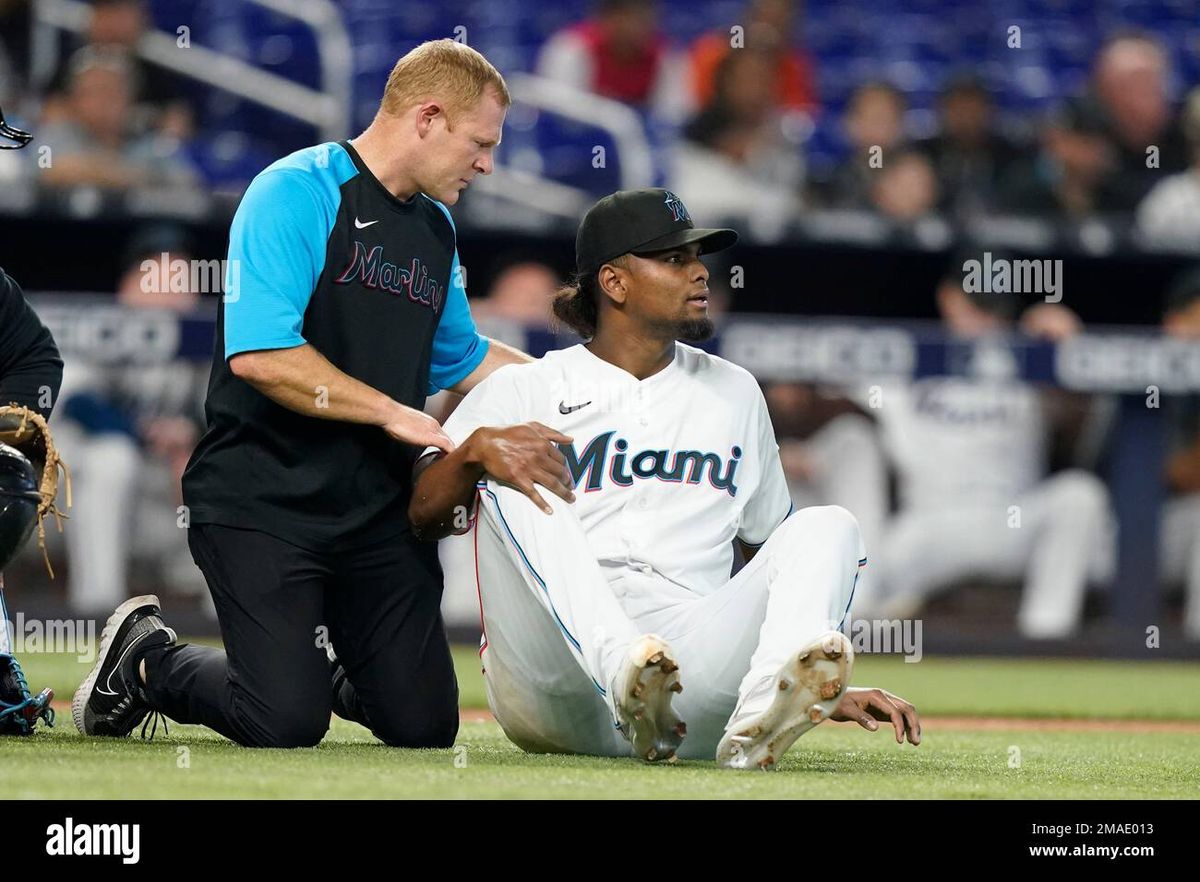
<point>117,666</point>
<point>361,226</point>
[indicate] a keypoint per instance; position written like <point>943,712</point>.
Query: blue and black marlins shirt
<point>321,253</point>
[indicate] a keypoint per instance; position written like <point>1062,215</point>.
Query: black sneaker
<point>111,700</point>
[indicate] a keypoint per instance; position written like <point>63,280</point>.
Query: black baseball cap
<point>640,222</point>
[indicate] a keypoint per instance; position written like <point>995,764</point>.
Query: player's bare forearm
<point>443,488</point>
<point>303,380</point>
<point>498,355</point>
<point>523,456</point>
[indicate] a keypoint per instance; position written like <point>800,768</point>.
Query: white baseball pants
<point>557,623</point>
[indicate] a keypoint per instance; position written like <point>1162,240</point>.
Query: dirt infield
<point>933,723</point>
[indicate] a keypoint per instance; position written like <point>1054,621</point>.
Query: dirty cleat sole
<point>645,686</point>
<point>806,691</point>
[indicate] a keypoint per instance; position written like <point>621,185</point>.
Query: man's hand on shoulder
<point>522,456</point>
<point>865,705</point>
<point>411,426</point>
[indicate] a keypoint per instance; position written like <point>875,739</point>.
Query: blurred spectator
<point>14,37</point>
<point>972,455</point>
<point>768,27</point>
<point>831,455</point>
<point>127,432</point>
<point>517,302</point>
<point>15,28</point>
<point>1066,178</point>
<point>969,156</point>
<point>1180,558</point>
<point>620,53</point>
<point>522,294</point>
<point>158,96</point>
<point>1169,217</point>
<point>734,161</point>
<point>905,188</point>
<point>13,163</point>
<point>8,72</point>
<point>94,143</point>
<point>1130,82</point>
<point>874,126</point>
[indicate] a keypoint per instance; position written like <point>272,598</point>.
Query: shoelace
<point>155,716</point>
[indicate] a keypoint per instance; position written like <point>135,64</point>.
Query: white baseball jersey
<point>958,440</point>
<point>668,470</point>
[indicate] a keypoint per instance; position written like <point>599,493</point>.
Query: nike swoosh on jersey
<point>562,407</point>
<point>361,226</point>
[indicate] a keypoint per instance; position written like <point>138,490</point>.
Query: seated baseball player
<point>605,485</point>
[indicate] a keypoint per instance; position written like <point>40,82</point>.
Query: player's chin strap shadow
<point>22,138</point>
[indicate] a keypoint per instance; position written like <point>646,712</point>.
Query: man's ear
<point>612,281</point>
<point>426,114</point>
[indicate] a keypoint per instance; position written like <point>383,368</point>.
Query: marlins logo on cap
<point>633,222</point>
<point>678,210</point>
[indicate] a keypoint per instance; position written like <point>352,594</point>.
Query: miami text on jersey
<point>649,464</point>
<point>371,269</point>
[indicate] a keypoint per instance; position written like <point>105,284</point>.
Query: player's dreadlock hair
<point>576,304</point>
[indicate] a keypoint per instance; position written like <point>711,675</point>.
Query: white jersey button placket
<point>640,407</point>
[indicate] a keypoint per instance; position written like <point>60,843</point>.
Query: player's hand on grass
<point>524,455</point>
<point>864,706</point>
<point>413,426</point>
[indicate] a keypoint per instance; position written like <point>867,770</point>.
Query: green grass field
<point>833,760</point>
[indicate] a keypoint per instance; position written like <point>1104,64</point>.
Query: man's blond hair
<point>442,70</point>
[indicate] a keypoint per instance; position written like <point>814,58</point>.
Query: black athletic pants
<point>272,686</point>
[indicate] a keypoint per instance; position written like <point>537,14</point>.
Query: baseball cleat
<point>111,701</point>
<point>643,690</point>
<point>805,691</point>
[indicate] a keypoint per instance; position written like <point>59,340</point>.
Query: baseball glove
<point>26,430</point>
<point>19,709</point>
